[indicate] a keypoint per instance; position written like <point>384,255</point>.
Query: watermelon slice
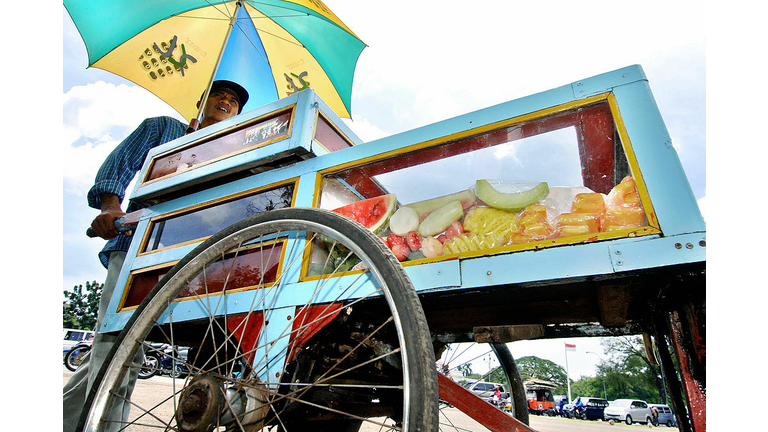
<point>373,213</point>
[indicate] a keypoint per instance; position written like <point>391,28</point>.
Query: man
<point>225,100</point>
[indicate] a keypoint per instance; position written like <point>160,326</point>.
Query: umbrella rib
<point>261,31</point>
<point>263,56</point>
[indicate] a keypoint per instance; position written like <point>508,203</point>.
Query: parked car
<point>484,390</point>
<point>666,416</point>
<point>591,409</point>
<point>73,337</point>
<point>628,411</point>
<point>560,402</point>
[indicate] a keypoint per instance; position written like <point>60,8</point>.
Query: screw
<point>702,243</point>
<point>619,263</point>
<point>618,252</point>
<point>689,246</point>
<point>678,246</point>
<point>488,273</point>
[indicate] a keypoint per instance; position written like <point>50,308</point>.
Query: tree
<point>465,369</point>
<point>628,373</point>
<point>538,368</point>
<point>81,308</point>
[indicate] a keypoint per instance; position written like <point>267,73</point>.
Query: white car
<point>73,337</point>
<point>484,390</point>
<point>628,411</point>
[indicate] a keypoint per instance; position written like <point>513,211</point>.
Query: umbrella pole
<point>195,123</point>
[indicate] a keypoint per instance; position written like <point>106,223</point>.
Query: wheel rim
<point>455,356</point>
<point>243,399</point>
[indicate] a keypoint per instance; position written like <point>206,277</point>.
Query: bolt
<point>619,263</point>
<point>618,252</point>
<point>488,273</point>
<point>678,246</point>
<point>689,246</point>
<point>191,403</point>
<point>702,243</point>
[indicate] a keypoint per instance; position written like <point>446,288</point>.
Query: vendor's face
<point>221,105</point>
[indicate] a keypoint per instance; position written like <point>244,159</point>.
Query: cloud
<point>364,129</point>
<point>94,124</point>
<point>91,111</point>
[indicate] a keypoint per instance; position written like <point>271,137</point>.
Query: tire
<point>516,386</point>
<point>150,368</point>
<point>75,356</point>
<point>451,353</point>
<point>178,371</point>
<point>670,423</point>
<point>628,420</point>
<point>371,361</point>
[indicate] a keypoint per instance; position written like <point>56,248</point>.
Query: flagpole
<point>567,374</point>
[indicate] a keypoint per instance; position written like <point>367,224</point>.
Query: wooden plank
<point>478,409</point>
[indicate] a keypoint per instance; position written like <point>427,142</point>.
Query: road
<point>159,385</point>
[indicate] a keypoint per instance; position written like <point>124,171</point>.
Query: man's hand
<point>104,223</point>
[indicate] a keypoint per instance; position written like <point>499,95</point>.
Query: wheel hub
<point>200,405</point>
<point>203,407</point>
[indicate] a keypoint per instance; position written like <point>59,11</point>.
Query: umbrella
<point>176,48</point>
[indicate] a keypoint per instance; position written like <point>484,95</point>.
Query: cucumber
<point>440,219</point>
<point>424,208</point>
<point>510,201</point>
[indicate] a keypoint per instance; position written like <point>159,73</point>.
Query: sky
<point>423,64</point>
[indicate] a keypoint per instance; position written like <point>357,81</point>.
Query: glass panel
<point>247,138</point>
<point>257,266</point>
<point>326,135</point>
<point>577,153</point>
<point>207,221</point>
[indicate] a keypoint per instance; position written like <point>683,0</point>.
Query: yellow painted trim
<point>333,126</point>
<point>609,97</point>
<point>169,265</point>
<point>236,128</point>
<point>129,283</point>
<point>207,204</point>
<point>634,166</point>
<point>470,132</point>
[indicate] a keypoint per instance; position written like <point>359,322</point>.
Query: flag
<point>570,347</point>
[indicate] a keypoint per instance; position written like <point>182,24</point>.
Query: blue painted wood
<point>669,191</point>
<point>668,187</point>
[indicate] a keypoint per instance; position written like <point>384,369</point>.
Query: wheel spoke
<point>344,348</point>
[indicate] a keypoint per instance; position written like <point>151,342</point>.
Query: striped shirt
<point>121,166</point>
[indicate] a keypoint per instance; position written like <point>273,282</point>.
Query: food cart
<point>561,214</point>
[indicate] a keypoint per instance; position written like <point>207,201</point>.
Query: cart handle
<point>127,222</point>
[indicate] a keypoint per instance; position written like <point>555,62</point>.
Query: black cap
<point>240,91</point>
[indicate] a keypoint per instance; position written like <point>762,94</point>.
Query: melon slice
<point>510,201</point>
<point>373,213</point>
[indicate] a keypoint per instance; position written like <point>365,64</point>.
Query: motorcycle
<point>163,359</point>
<point>76,354</point>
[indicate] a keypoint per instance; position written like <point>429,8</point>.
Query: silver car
<point>628,411</point>
<point>484,390</point>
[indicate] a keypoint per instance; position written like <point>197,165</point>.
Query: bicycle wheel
<point>455,357</point>
<point>329,352</point>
